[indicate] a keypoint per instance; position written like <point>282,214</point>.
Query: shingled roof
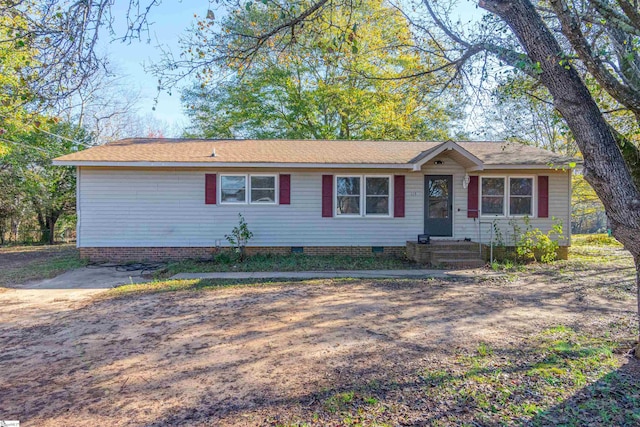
<point>200,152</point>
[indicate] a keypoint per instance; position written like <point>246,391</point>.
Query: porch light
<point>465,181</point>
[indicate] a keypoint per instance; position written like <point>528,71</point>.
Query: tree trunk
<point>44,228</point>
<point>604,166</point>
<point>345,132</point>
<point>15,229</point>
<point>637,261</point>
<point>51,222</point>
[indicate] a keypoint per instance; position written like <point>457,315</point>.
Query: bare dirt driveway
<point>40,281</point>
<point>345,352</point>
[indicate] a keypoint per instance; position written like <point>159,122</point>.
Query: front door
<point>438,205</point>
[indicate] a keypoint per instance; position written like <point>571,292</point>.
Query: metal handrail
<point>490,238</point>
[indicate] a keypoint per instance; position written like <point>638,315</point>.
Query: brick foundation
<point>165,254</point>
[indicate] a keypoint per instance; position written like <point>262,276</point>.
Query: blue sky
<point>169,20</point>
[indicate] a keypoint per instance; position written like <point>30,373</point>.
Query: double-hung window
<point>377,195</point>
<point>520,196</point>
<point>492,196</point>
<point>263,189</point>
<point>233,188</point>
<point>254,189</point>
<point>497,196</point>
<point>363,195</point>
<point>348,190</point>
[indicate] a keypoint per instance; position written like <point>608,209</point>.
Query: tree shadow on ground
<point>280,354</point>
<point>505,386</point>
<point>614,399</point>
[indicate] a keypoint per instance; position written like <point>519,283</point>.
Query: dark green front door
<point>438,205</point>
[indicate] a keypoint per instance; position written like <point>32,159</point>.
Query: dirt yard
<point>350,352</point>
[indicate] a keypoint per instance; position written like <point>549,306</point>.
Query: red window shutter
<point>472,197</point>
<point>398,196</point>
<point>543,197</point>
<point>210,188</point>
<point>327,196</point>
<point>285,189</point>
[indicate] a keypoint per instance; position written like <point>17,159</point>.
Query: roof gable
<point>462,156</point>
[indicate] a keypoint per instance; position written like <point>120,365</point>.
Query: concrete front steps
<point>446,254</point>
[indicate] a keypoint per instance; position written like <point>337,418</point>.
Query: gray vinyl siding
<point>559,209</point>
<point>165,207</point>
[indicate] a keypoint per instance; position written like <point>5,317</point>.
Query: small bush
<point>223,258</point>
<point>239,237</point>
<point>535,245</point>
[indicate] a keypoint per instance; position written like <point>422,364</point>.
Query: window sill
<point>364,216</point>
<point>507,216</point>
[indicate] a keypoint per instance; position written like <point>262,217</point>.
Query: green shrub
<point>506,265</point>
<point>497,235</point>
<point>535,245</point>
<point>239,237</point>
<point>223,258</point>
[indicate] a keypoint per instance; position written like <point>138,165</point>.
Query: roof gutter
<point>234,165</point>
<point>406,166</point>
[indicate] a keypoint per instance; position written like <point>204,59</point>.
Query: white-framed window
<point>377,191</point>
<point>348,195</point>
<point>520,196</point>
<point>249,188</point>
<point>507,196</point>
<point>263,189</point>
<point>363,195</point>
<point>492,196</point>
<point>233,189</point>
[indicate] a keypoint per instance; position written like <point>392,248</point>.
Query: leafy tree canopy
<point>27,175</point>
<point>351,76</point>
<point>17,63</point>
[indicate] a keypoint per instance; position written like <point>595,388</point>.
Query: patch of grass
<point>597,249</point>
<point>161,286</point>
<point>370,400</point>
<point>594,240</point>
<point>28,263</point>
<point>436,377</point>
<point>508,266</point>
<point>294,262</point>
<point>484,350</point>
<point>597,265</point>
<point>352,406</point>
<point>339,401</point>
<point>196,285</point>
<point>561,377</point>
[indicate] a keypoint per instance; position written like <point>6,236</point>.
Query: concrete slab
<point>88,278</point>
<point>63,291</point>
<point>359,274</point>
